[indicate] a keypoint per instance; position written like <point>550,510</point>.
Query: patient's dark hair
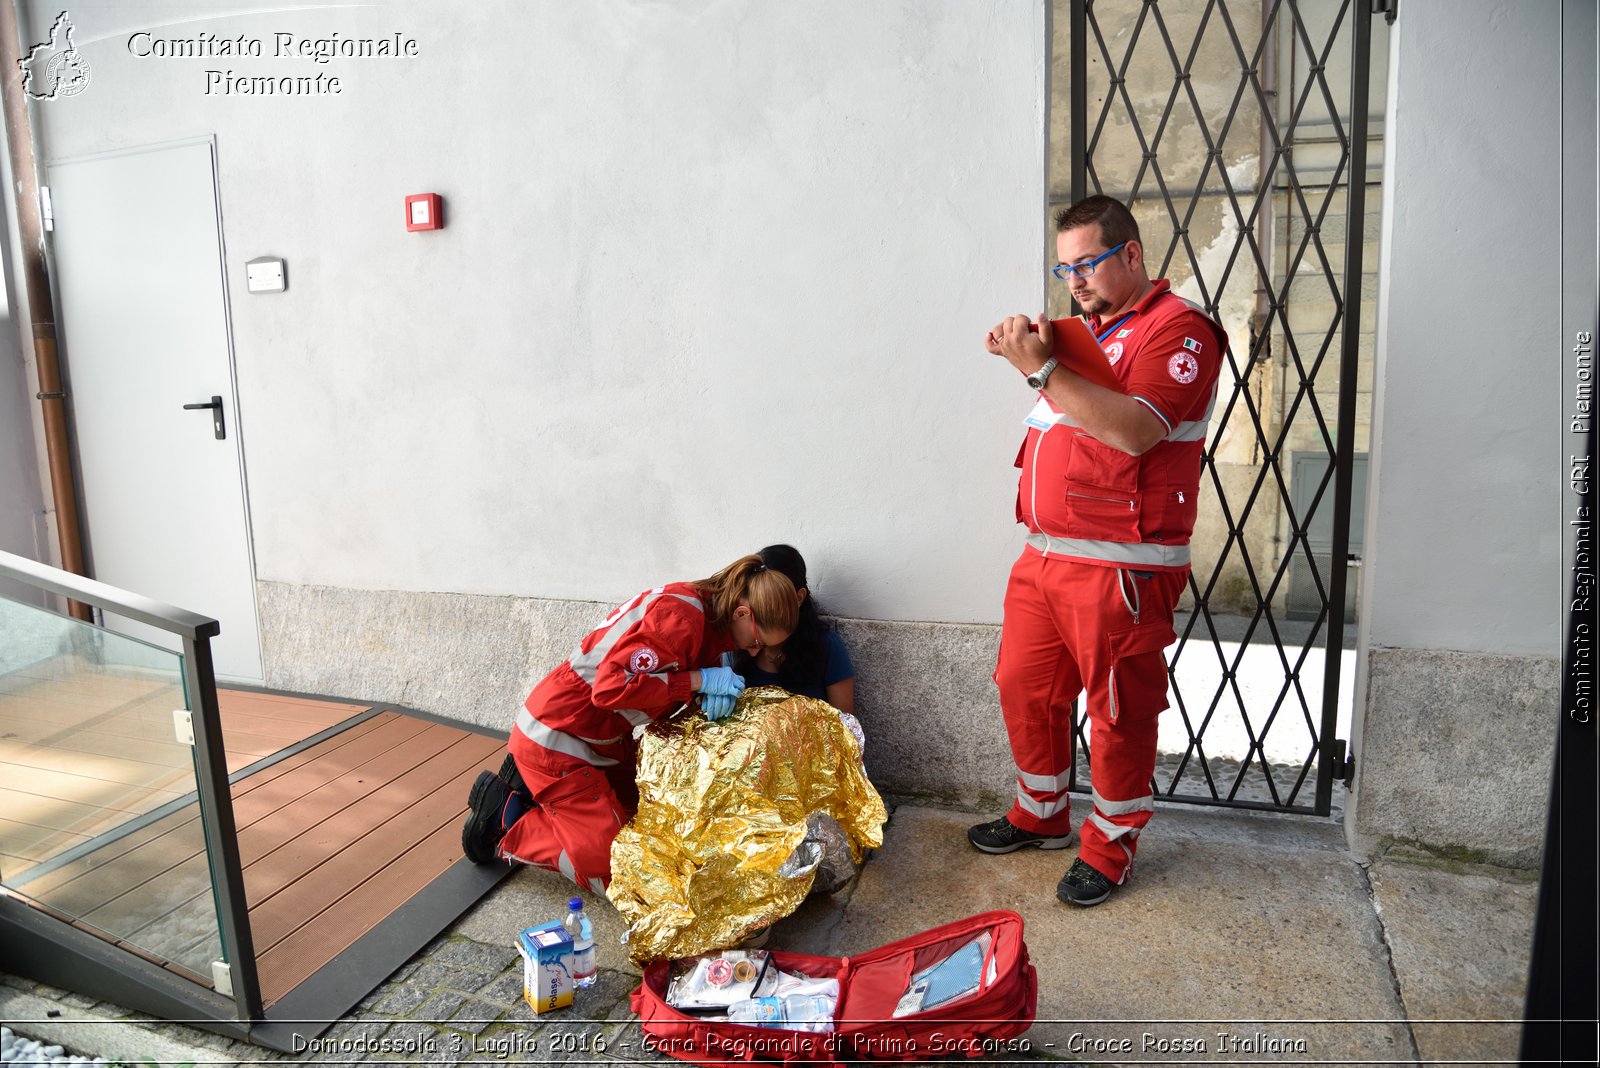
<point>805,654</point>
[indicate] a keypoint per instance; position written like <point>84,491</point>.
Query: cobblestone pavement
<point>456,1002</point>
<point>460,1002</point>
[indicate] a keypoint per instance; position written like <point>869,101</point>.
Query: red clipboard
<point>1074,347</point>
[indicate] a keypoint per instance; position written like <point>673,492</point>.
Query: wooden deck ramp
<point>345,812</point>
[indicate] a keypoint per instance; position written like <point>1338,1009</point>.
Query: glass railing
<point>115,813</point>
<point>101,805</point>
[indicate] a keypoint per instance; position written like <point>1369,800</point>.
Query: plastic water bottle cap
<point>575,904</point>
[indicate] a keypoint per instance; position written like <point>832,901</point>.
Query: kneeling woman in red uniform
<point>567,786</point>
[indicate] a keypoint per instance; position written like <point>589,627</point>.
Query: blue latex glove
<point>717,706</point>
<point>721,681</point>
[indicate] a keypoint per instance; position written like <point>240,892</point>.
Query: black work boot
<point>484,827</point>
<point>513,778</point>
<point>1084,885</point>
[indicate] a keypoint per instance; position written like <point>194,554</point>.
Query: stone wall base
<point>1454,758</point>
<point>925,695</point>
<point>1455,755</point>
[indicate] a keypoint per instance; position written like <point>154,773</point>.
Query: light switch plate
<point>266,274</point>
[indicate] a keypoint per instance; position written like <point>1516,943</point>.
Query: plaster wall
<point>1442,349</point>
<point>712,276</point>
<point>1463,579</point>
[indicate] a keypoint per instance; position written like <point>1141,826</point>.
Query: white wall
<point>713,275</point>
<point>1464,526</point>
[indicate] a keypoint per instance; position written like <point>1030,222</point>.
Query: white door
<point>137,255</point>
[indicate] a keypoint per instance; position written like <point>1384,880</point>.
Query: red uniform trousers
<point>578,810</point>
<point>1071,627</point>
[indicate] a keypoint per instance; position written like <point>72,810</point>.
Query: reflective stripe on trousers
<point>1044,796</point>
<point>579,749</point>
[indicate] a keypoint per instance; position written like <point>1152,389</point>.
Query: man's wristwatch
<point>1042,375</point>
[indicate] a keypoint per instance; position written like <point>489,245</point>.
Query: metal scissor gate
<point>1238,132</point>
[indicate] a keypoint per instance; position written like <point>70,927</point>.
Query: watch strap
<point>1038,379</point>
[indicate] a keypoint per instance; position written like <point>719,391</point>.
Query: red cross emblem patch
<point>1183,368</point>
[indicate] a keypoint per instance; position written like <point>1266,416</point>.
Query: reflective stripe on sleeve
<point>585,665</point>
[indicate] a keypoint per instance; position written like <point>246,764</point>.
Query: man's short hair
<point>1115,220</point>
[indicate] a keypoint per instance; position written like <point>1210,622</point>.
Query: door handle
<point>215,407</point>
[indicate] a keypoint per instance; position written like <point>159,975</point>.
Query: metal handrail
<point>148,610</point>
<point>211,766</point>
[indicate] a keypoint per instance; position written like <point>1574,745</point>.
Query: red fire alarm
<point>423,212</point>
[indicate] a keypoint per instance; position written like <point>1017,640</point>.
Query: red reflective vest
<point>1087,501</point>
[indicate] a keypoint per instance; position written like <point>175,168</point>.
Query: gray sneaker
<point>1003,836</point>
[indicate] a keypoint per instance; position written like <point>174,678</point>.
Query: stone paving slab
<point>1237,938</point>
<point>1460,942</point>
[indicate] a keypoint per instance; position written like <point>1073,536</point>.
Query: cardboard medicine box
<point>546,966</point>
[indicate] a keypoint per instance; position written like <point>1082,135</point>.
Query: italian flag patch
<point>1191,344</point>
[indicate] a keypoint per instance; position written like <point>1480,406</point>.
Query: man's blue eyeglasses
<point>1082,269</point>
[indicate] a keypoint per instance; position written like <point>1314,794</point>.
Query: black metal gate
<point>1226,128</point>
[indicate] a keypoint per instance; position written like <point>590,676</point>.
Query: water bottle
<point>577,925</point>
<point>794,1012</point>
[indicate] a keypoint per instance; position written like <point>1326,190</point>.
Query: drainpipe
<point>34,294</point>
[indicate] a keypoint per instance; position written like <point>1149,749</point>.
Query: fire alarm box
<point>423,212</point>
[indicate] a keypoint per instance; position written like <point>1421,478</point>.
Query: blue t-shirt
<point>836,669</point>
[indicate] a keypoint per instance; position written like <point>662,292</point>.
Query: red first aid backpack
<point>870,987</point>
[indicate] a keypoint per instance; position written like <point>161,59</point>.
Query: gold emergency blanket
<point>722,806</point>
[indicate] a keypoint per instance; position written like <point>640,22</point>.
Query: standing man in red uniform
<point>1108,492</point>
